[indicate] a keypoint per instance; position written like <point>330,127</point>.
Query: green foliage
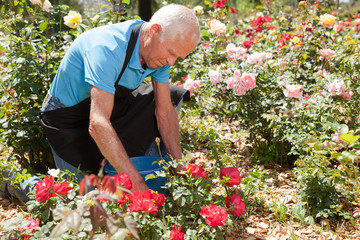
<point>70,215</point>
<point>33,42</point>
<point>329,178</point>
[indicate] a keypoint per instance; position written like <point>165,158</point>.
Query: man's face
<point>157,53</point>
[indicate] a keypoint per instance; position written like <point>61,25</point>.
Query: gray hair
<point>177,20</point>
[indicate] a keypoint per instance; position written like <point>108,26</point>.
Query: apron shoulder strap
<point>130,49</point>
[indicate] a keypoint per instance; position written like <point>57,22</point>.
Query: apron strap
<point>130,49</point>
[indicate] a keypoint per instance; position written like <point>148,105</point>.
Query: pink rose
<point>248,80</point>
<point>192,85</point>
<point>176,233</point>
<point>240,90</point>
<point>233,173</point>
<point>337,88</point>
<point>319,73</point>
<point>336,137</point>
<point>235,53</point>
<point>257,58</point>
<point>215,216</point>
<point>326,53</point>
<point>347,95</point>
<point>293,90</point>
<point>231,83</point>
<point>215,77</point>
<point>282,62</point>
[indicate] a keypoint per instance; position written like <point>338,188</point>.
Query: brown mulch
<point>9,208</point>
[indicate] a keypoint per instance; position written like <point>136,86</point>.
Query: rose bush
<point>62,211</point>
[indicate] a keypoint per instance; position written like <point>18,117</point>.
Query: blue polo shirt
<point>96,58</point>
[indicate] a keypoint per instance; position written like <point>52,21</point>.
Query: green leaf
<point>177,195</point>
<point>43,26</point>
<point>349,138</point>
<point>182,201</point>
<point>333,124</point>
<point>68,38</point>
<point>150,176</point>
<point>205,34</point>
<point>27,32</point>
<point>127,2</point>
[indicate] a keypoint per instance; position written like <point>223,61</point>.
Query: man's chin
<point>156,64</point>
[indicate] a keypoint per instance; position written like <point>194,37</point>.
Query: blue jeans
<point>20,190</point>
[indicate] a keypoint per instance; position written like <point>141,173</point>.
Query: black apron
<point>133,118</point>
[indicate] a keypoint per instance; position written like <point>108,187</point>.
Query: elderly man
<point>97,106</point>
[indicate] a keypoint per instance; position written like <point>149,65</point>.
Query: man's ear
<point>155,29</point>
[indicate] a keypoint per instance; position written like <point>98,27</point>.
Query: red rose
<point>144,201</point>
<point>43,189</point>
<point>61,188</point>
<point>234,175</point>
<point>123,199</point>
<point>247,44</point>
<point>140,203</point>
<point>194,170</point>
<point>145,205</point>
<point>159,198</point>
<point>176,233</point>
<point>219,4</point>
<point>233,10</point>
<point>215,216</point>
<point>270,27</point>
<point>267,19</point>
<point>123,180</point>
<point>237,32</point>
<point>206,44</point>
<point>339,28</point>
<point>258,29</point>
<point>32,225</point>
<point>235,205</point>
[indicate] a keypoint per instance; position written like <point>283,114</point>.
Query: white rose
<point>73,19</point>
<point>47,6</point>
<point>54,172</point>
<point>199,10</point>
<point>216,27</point>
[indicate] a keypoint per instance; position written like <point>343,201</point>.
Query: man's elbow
<point>95,128</point>
<point>163,116</point>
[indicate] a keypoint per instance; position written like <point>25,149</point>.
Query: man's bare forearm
<point>168,124</point>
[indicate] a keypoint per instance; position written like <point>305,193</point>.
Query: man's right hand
<point>139,186</point>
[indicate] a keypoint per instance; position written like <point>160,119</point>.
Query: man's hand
<point>139,186</point>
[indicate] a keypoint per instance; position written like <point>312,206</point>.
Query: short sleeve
<point>162,75</point>
<point>101,68</point>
